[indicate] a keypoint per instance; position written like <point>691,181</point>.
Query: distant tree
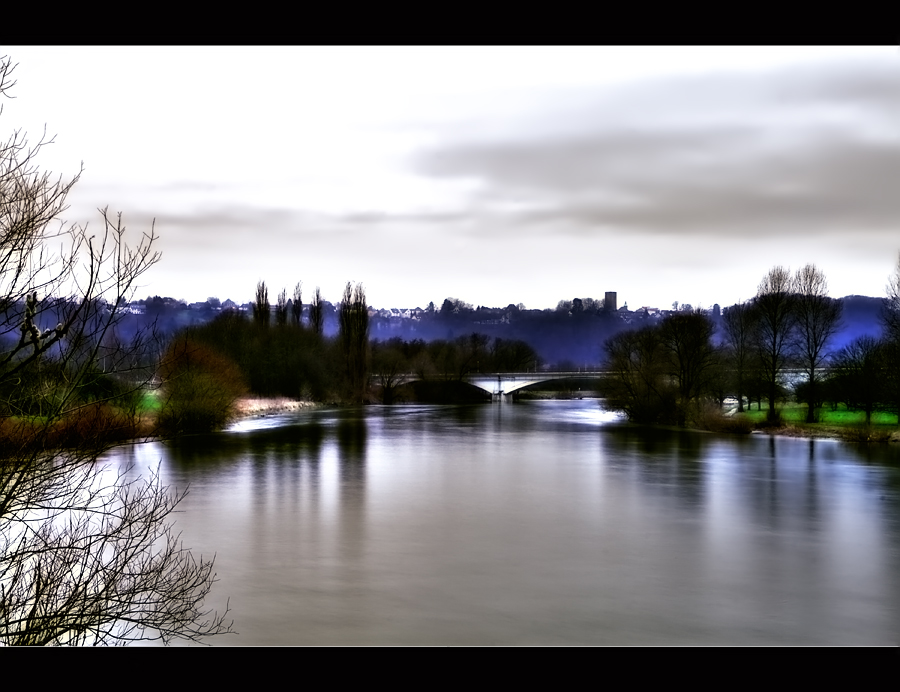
<point>718,377</point>
<point>200,387</point>
<point>639,385</point>
<point>297,305</point>
<point>512,355</point>
<point>213,302</point>
<point>281,309</point>
<point>389,365</point>
<point>421,362</point>
<point>316,315</point>
<point>354,340</point>
<point>261,308</point>
<point>774,307</point>
<point>687,338</point>
<point>275,362</point>
<point>890,314</point>
<point>473,354</point>
<point>891,374</point>
<point>817,318</point>
<point>857,377</point>
<point>738,330</point>
<point>890,320</point>
<point>564,306</point>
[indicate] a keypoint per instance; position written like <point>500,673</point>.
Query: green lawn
<point>150,402</point>
<point>795,414</point>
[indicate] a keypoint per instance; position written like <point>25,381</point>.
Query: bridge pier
<point>501,397</point>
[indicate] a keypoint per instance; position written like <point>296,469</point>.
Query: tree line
<point>675,371</point>
<point>272,353</point>
<point>276,352</point>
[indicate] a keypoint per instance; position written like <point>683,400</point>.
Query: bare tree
<point>738,327</point>
<point>687,338</point>
<point>389,365</point>
<point>354,338</point>
<point>639,383</point>
<point>890,319</point>
<point>297,305</point>
<point>85,556</point>
<point>262,311</point>
<point>858,378</point>
<point>774,307</point>
<point>281,308</point>
<point>890,314</point>
<point>817,320</point>
<point>316,317</point>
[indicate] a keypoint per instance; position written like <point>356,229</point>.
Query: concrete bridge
<point>501,385</point>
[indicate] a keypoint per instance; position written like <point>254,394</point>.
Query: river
<point>535,523</point>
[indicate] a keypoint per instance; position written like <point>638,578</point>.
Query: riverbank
<point>838,424</point>
<point>256,407</point>
<point>862,434</point>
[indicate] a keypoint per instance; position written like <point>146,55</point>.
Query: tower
<point>609,301</point>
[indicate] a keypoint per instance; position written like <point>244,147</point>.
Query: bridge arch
<point>501,386</point>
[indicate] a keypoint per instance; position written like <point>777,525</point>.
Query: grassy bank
<point>840,423</point>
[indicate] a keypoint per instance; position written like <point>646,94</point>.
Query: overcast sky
<point>494,175</point>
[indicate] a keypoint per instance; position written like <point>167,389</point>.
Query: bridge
<point>501,385</point>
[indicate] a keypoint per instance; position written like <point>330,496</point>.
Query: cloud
<point>806,150</point>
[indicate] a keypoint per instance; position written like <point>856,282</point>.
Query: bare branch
<point>86,557</point>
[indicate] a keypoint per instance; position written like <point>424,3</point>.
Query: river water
<point>535,523</point>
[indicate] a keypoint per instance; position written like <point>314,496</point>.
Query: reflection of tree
<point>351,546</point>
<point>351,438</point>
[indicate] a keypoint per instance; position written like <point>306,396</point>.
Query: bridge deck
<point>498,383</point>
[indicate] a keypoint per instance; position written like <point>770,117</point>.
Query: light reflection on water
<point>536,523</point>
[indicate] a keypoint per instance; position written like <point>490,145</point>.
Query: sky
<point>494,175</point>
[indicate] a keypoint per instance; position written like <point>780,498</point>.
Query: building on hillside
<point>609,301</point>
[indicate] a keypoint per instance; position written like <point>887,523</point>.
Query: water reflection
<point>537,523</point>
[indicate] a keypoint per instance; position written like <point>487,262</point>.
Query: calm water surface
<point>536,523</point>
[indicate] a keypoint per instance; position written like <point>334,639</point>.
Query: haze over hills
<point>568,336</point>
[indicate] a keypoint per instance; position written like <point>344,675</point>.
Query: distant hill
<point>561,336</point>
<point>861,316</point>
